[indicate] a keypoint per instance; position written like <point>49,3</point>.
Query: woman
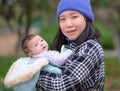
<point>84,69</point>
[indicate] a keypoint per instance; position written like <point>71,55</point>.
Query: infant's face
<point>37,45</point>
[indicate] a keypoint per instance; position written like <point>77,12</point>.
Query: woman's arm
<point>78,72</point>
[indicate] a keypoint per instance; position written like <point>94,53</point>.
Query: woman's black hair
<point>90,32</point>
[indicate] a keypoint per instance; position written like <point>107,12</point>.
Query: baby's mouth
<point>44,47</point>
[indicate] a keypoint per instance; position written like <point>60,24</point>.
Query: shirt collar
<point>71,43</point>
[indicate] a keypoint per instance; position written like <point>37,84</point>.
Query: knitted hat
<point>82,6</point>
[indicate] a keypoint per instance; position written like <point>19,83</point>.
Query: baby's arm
<point>57,58</point>
<point>12,81</point>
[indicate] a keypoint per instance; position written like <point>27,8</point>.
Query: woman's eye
<point>74,17</point>
<point>62,19</point>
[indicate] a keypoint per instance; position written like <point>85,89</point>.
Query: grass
<point>107,39</point>
<point>112,68</point>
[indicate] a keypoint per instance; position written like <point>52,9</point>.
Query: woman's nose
<point>68,23</point>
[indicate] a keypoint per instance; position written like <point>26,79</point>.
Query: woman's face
<point>72,24</point>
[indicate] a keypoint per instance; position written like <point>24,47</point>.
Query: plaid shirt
<point>83,71</point>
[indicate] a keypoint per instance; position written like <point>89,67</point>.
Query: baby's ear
<point>30,54</point>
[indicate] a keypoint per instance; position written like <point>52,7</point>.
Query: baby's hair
<point>25,41</point>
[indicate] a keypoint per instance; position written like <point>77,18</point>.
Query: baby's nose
<point>41,44</point>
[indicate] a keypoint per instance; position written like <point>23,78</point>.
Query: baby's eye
<point>41,40</point>
<point>36,44</point>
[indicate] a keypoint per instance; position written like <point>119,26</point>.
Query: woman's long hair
<point>90,32</point>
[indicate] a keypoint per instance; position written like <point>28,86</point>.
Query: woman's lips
<point>71,32</point>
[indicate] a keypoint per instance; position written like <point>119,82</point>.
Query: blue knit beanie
<point>82,6</point>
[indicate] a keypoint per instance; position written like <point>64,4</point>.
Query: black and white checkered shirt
<point>83,71</point>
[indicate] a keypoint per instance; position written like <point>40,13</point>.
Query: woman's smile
<point>71,32</point>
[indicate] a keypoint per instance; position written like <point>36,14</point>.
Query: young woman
<point>84,69</point>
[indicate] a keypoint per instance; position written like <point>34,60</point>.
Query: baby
<point>24,72</point>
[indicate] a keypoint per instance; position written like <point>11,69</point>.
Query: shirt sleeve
<point>78,72</point>
<point>57,58</point>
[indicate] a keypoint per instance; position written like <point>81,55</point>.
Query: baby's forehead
<point>35,38</point>
<point>38,37</point>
